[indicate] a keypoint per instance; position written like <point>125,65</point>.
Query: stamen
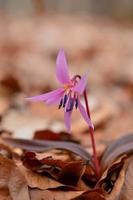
<point>60,104</point>
<point>65,100</point>
<point>71,104</point>
<point>76,103</point>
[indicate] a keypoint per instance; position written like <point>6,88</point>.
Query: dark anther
<point>71,104</point>
<point>76,103</point>
<point>61,102</point>
<point>65,100</point>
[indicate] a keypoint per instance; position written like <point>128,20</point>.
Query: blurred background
<point>96,35</point>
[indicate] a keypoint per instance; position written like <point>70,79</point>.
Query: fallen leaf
<point>44,165</point>
<point>66,172</point>
<point>72,173</point>
<point>51,195</point>
<point>50,135</point>
<point>4,194</point>
<point>12,178</point>
<point>126,192</point>
<point>95,194</point>
<point>110,175</point>
<point>35,180</point>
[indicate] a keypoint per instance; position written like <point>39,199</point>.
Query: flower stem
<point>95,158</point>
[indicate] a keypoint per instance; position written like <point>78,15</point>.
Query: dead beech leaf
<point>11,84</point>
<point>110,184</point>
<point>5,150</point>
<point>36,194</point>
<point>89,176</point>
<point>117,148</point>
<point>126,192</point>
<point>35,180</point>
<point>123,187</point>
<point>44,165</point>
<point>43,146</point>
<point>4,194</point>
<point>4,105</point>
<point>95,194</point>
<point>66,172</point>
<point>53,195</point>
<point>51,135</point>
<point>110,175</point>
<point>12,178</point>
<point>114,195</point>
<point>102,113</point>
<point>72,173</point>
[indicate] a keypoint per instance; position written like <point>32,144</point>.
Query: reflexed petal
<point>67,118</point>
<point>80,87</point>
<point>84,114</point>
<point>56,99</point>
<point>62,68</point>
<point>47,96</point>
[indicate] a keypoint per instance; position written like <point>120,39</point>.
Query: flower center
<point>70,98</point>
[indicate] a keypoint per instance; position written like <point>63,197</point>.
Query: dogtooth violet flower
<point>68,95</point>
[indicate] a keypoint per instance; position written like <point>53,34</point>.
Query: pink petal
<point>62,68</point>
<point>80,87</point>
<point>84,114</point>
<point>56,99</point>
<point>67,118</point>
<point>47,96</point>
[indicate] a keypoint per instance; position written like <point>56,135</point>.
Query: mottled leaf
<point>117,148</point>
<point>43,146</point>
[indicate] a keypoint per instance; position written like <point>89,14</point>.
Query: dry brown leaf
<point>47,134</point>
<point>95,194</point>
<point>4,194</point>
<point>53,195</point>
<point>115,193</point>
<point>127,188</point>
<point>99,117</point>
<point>41,195</point>
<point>4,105</point>
<point>111,174</point>
<point>35,180</point>
<point>72,172</point>
<point>66,172</point>
<point>11,178</point>
<point>123,187</point>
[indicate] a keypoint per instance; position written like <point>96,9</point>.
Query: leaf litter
<point>38,159</point>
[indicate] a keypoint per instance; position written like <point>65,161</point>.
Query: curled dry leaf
<point>123,184</point>
<point>72,173</point>
<point>109,185</point>
<point>126,192</point>
<point>35,180</point>
<point>66,172</point>
<point>45,165</point>
<point>117,185</point>
<point>111,175</point>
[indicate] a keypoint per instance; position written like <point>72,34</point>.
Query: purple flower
<point>68,95</point>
